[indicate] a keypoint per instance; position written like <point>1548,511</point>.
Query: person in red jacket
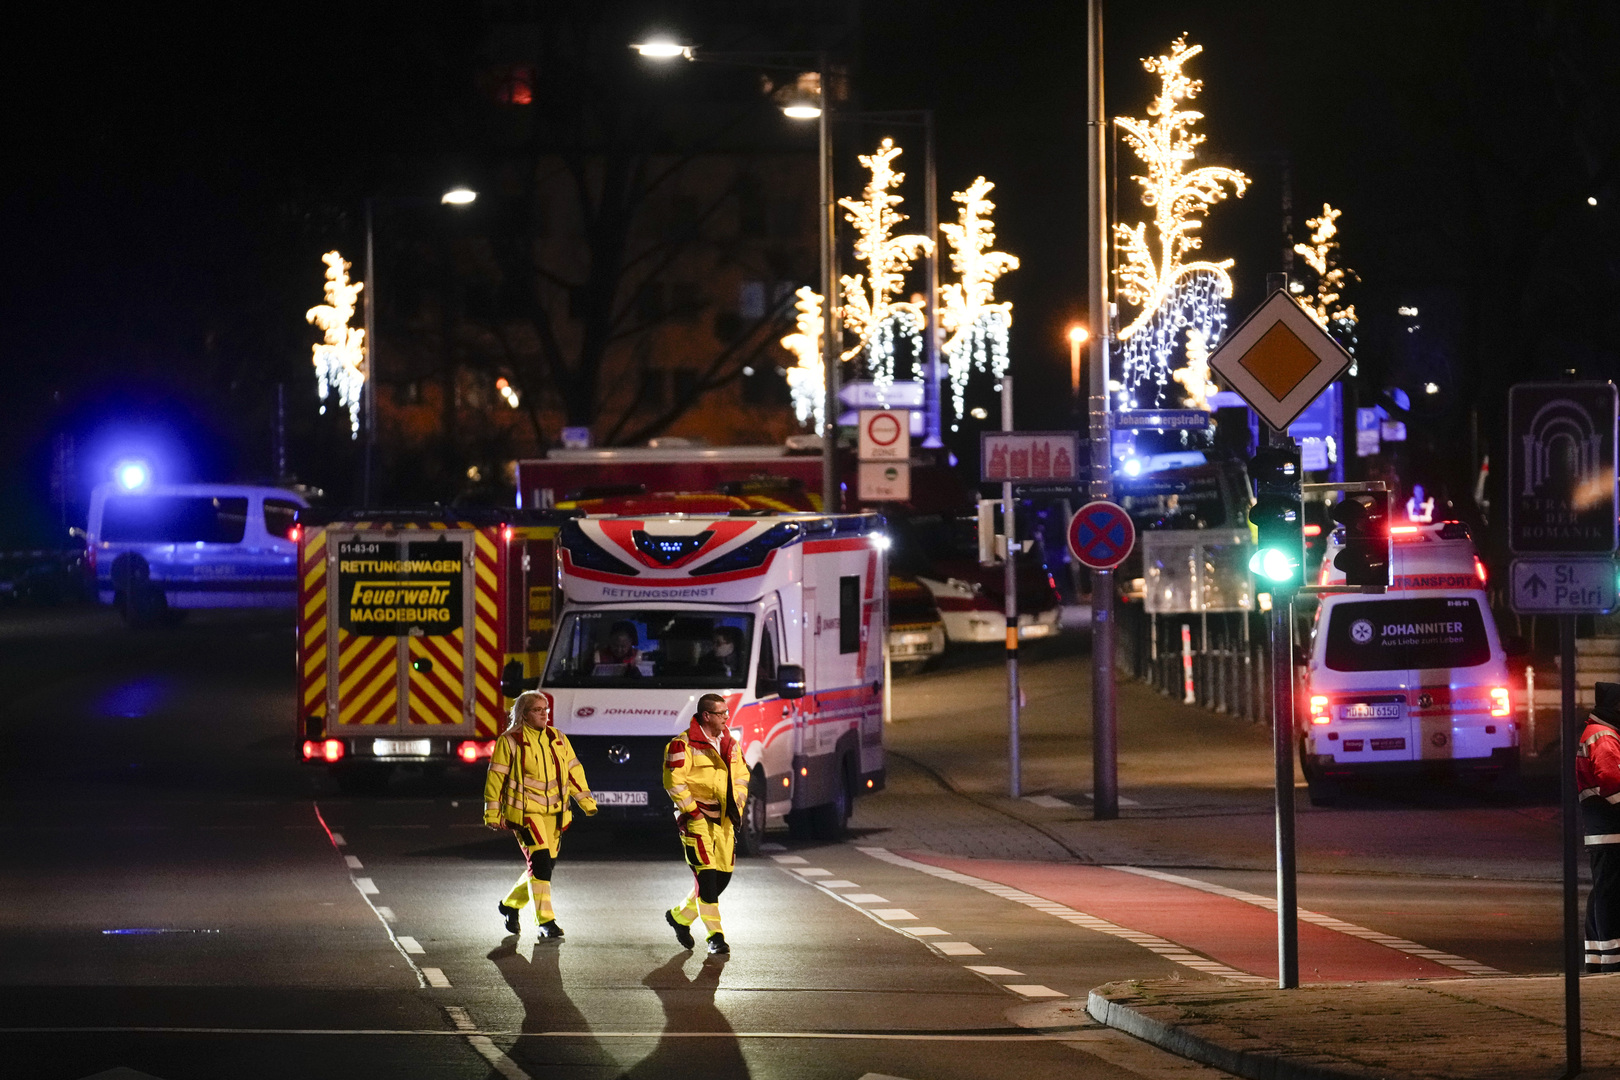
<point>1597,777</point>
<point>707,781</point>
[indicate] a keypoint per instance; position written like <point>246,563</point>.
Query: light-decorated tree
<point>976,325</point>
<point>1326,304</point>
<point>1180,302</point>
<point>340,358</point>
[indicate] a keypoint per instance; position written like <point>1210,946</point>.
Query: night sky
<point>172,174</point>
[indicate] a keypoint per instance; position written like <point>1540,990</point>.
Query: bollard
<point>1530,707</point>
<point>1188,697</point>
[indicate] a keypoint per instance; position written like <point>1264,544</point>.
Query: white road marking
<point>1050,802</point>
<point>337,839</point>
<point>812,871</point>
<point>484,1045</point>
<point>1067,914</point>
<point>790,860</point>
<point>926,931</point>
<point>352,861</point>
<point>411,945</point>
<point>435,977</point>
<point>387,913</point>
<point>1472,967</point>
<point>385,919</point>
<point>957,948</point>
<point>840,884</point>
<point>865,898</point>
<point>991,969</point>
<point>1034,990</point>
<point>652,1036</point>
<point>1122,800</point>
<point>366,886</point>
<point>892,914</point>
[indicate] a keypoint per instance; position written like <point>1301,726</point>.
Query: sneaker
<point>550,929</point>
<point>718,946</point>
<point>683,933</point>
<point>510,914</point>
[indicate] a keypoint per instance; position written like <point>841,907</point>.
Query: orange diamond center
<point>1279,361</point>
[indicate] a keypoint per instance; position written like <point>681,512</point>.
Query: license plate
<point>402,747</point>
<point>620,798</point>
<point>1389,744</point>
<point>1390,711</point>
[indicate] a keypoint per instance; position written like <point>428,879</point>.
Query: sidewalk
<point>1456,1029</point>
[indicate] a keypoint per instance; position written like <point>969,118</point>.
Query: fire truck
<point>415,631</point>
<point>409,624</point>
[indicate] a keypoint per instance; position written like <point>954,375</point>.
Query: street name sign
<point>1101,535</point>
<point>867,394</point>
<point>1561,469</point>
<point>1020,456</point>
<point>1547,586</point>
<point>1279,360</point>
<point>1164,419</point>
<point>885,435</point>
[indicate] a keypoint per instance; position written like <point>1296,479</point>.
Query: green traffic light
<point>1273,565</point>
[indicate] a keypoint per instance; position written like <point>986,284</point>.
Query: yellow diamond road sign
<point>1279,360</point>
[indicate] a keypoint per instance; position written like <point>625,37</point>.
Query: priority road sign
<point>1101,535</point>
<point>885,435</point>
<point>1561,469</point>
<point>1279,360</point>
<point>1549,586</point>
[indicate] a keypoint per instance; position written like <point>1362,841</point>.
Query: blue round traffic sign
<point>1101,535</point>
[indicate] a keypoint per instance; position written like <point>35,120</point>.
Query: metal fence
<point>1218,660</point>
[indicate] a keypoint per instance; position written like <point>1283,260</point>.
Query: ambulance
<point>1411,682</point>
<point>783,614</point>
<point>414,630</point>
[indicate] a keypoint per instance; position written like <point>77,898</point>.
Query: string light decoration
<point>977,326</point>
<point>1175,296</point>
<point>869,310</point>
<point>807,380</point>
<point>1326,306</point>
<point>340,360</point>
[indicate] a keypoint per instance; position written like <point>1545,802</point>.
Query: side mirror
<point>512,681</point>
<point>1515,646</point>
<point>790,681</point>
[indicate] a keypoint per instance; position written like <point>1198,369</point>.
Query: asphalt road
<point>179,896</point>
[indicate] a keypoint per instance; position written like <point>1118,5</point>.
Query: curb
<point>1182,1042</point>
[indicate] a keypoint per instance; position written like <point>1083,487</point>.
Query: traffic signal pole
<point>1282,723</point>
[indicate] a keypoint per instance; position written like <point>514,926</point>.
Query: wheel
<point>904,668</point>
<point>1322,791</point>
<point>830,821</point>
<point>751,836</point>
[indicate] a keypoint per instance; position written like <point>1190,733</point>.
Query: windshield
<point>174,519</point>
<point>676,650</point>
<point>1384,635</point>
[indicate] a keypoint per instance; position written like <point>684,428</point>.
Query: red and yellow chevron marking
<point>312,626</point>
<point>487,647</point>
<point>436,694</point>
<point>368,680</point>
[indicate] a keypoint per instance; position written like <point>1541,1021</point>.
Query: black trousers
<point>1603,909</point>
<point>710,884</point>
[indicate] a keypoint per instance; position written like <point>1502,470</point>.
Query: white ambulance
<point>1411,682</point>
<point>782,614</point>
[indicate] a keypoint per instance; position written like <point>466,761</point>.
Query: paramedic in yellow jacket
<point>532,774</point>
<point>708,782</point>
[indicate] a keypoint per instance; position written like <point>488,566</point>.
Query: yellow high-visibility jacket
<point>699,777</point>
<point>532,775</point>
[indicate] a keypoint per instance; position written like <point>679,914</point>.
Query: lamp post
<point>456,196</point>
<point>801,109</point>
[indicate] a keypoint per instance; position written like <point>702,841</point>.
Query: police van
<point>159,550</point>
<point>1413,681</point>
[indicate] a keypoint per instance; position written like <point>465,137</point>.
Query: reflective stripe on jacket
<point>699,776</point>
<point>1597,778</point>
<point>533,772</point>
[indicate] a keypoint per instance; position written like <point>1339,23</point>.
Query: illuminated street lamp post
<point>456,196</point>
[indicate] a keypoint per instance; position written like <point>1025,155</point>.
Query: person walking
<point>532,775</point>
<point>707,781</point>
<point>1597,778</point>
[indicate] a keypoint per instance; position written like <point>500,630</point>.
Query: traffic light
<point>1278,514</point>
<point>1365,518</point>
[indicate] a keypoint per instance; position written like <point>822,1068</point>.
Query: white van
<point>163,549</point>
<point>1411,681</point>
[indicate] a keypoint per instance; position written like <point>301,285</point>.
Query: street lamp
<point>1077,338</point>
<point>456,196</point>
<point>663,49</point>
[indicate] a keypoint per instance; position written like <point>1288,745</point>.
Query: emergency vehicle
<point>413,629</point>
<point>1411,681</point>
<point>782,614</point>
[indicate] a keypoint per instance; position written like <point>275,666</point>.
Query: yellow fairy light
<point>869,310</point>
<point>1174,294</point>
<point>977,326</point>
<point>807,380</point>
<point>340,360</point>
<point>1322,256</point>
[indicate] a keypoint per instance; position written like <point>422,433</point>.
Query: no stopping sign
<point>1101,535</point>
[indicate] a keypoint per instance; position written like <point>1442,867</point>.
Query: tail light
<point>294,533</point>
<point>1321,578</point>
<point>471,750</point>
<point>325,749</point>
<point>1312,530</point>
<point>1479,569</point>
<point>1500,704</point>
<point>506,534</point>
<point>1319,713</point>
<point>1402,530</point>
